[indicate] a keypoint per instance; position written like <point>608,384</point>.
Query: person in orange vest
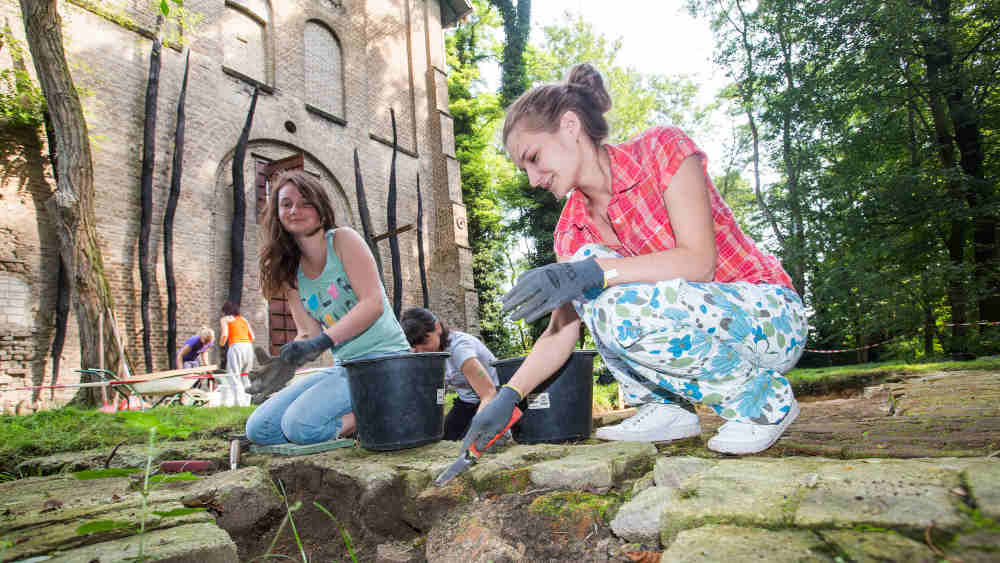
<point>236,333</point>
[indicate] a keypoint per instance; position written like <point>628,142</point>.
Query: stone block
<point>461,224</point>
<point>672,472</point>
<point>878,546</point>
<point>883,493</point>
<point>597,467</point>
<point>732,543</point>
<point>983,478</point>
<point>203,542</point>
<point>640,519</point>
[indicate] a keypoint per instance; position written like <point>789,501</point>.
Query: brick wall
<point>109,57</point>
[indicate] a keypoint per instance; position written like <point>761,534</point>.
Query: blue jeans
<point>293,415</point>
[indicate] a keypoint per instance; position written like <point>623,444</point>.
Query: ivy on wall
<point>22,104</point>
<point>182,21</point>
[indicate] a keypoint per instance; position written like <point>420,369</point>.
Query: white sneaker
<point>655,422</point>
<point>748,438</point>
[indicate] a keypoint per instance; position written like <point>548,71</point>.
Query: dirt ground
<point>933,415</point>
<point>941,414</point>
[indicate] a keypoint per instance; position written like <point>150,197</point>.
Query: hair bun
<point>586,77</point>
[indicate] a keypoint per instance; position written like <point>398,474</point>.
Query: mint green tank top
<point>329,297</point>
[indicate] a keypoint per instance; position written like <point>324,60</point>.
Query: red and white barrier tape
<point>838,350</point>
<point>848,349</point>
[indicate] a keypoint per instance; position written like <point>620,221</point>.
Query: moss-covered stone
<point>512,481</point>
<point>877,546</point>
<point>726,542</point>
<point>574,507</point>
<point>595,467</point>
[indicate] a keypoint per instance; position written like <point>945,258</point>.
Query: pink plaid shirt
<point>641,169</point>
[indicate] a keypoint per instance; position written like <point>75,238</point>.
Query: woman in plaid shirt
<point>683,306</point>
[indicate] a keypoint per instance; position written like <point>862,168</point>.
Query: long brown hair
<point>542,107</point>
<point>279,259</point>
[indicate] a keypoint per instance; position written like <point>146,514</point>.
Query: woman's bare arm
<point>690,211</point>
<point>550,351</point>
<point>359,264</point>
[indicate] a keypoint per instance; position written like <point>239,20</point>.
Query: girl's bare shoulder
<point>346,237</point>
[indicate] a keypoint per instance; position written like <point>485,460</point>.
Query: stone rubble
<point>581,502</point>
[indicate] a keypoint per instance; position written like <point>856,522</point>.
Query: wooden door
<point>281,327</point>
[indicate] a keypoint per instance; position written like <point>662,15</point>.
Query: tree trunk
<point>981,193</point>
<point>746,89</point>
<point>516,27</point>
<point>958,297</point>
<point>62,320</point>
<point>63,283</point>
<point>420,247</point>
<point>239,208</point>
<point>980,196</point>
<point>365,214</point>
<point>168,220</point>
<point>794,249</point>
<point>929,330</point>
<point>71,206</point>
<point>146,195</point>
<point>390,226</point>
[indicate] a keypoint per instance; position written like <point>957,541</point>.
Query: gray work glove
<point>542,289</point>
<point>298,352</point>
<point>492,420</point>
<point>268,378</point>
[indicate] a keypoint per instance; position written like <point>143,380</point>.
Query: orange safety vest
<point>239,331</point>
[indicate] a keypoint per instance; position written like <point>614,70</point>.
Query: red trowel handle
<point>514,417</point>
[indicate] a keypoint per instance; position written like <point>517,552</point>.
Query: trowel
<point>471,455</point>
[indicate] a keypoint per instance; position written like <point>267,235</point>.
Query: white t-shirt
<point>462,347</point>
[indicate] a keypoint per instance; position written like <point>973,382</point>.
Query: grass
<point>605,397</point>
<point>289,521</point>
<point>73,429</point>
<point>344,534</point>
<point>818,381</point>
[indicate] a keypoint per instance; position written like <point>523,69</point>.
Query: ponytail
<point>542,107</point>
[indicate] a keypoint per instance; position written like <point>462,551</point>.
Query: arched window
<point>324,69</point>
<point>244,38</point>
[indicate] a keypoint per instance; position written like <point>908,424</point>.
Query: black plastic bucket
<point>561,408</point>
<point>398,400</point>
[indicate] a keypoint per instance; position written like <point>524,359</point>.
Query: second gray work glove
<point>492,420</point>
<point>542,289</point>
<point>298,352</point>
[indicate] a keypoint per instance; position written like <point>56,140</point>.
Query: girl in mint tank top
<point>331,283</point>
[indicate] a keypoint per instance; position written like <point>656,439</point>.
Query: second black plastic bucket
<point>561,408</point>
<point>398,400</point>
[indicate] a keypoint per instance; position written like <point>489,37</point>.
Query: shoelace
<point>644,412</point>
<point>733,426</point>
<point>632,421</point>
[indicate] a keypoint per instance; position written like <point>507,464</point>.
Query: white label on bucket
<point>538,401</point>
<point>441,396</point>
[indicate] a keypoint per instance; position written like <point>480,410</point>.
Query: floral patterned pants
<point>725,345</point>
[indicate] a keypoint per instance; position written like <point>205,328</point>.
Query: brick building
<point>328,72</point>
